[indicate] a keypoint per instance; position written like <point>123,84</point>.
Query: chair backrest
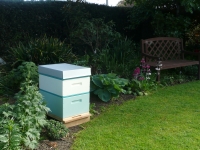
<point>167,48</point>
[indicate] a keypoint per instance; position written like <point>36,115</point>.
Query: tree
<point>189,6</point>
<point>167,17</point>
<point>123,3</point>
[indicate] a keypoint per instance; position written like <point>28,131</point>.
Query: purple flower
<point>136,72</point>
<point>147,66</point>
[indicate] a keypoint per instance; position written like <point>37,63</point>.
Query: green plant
<point>142,87</point>
<point>193,42</point>
<point>16,76</point>
<point>82,60</point>
<point>73,14</point>
<point>92,109</point>
<point>22,122</point>
<point>107,86</point>
<point>10,136</point>
<point>95,33</point>
<point>141,82</point>
<point>119,58</point>
<point>169,25</point>
<point>56,130</point>
<point>43,50</point>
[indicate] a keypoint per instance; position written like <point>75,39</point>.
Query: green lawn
<point>166,120</point>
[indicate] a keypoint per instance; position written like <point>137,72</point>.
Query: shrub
<point>120,58</point>
<point>95,33</point>
<point>16,76</point>
<point>56,130</point>
<point>170,25</point>
<point>43,51</point>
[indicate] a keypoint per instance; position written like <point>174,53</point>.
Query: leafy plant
<point>92,109</point>
<point>10,136</point>
<point>141,82</point>
<point>31,112</point>
<point>95,33</point>
<point>73,14</point>
<point>107,86</point>
<point>194,38</point>
<point>22,122</point>
<point>56,130</point>
<point>169,25</point>
<point>16,76</point>
<point>120,58</point>
<point>43,51</point>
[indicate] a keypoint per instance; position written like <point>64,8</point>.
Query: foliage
<point>30,112</point>
<point>142,87</point>
<point>92,109</point>
<point>168,17</point>
<point>56,130</point>
<point>83,60</point>
<point>141,82</point>
<point>177,76</point>
<point>95,33</point>
<point>188,6</point>
<point>10,136</point>
<point>24,120</point>
<point>43,50</point>
<point>169,25</point>
<point>20,21</point>
<point>107,86</point>
<point>73,14</point>
<point>16,76</point>
<point>194,37</point>
<point>120,58</point>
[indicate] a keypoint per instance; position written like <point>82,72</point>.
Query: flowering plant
<point>139,74</point>
<point>141,77</point>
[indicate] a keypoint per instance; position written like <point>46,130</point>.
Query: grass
<point>166,120</point>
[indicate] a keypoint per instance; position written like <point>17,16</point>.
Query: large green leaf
<point>96,80</point>
<point>112,90</point>
<point>93,87</point>
<point>103,94</point>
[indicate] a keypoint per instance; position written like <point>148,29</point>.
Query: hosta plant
<point>107,86</point>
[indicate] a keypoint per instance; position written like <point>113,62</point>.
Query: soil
<point>66,143</point>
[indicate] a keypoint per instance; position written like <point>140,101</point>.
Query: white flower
<point>157,68</point>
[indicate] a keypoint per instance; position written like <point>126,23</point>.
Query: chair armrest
<point>153,57</point>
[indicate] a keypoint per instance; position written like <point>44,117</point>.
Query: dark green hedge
<point>21,21</point>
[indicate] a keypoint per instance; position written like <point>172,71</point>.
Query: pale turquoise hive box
<point>65,89</point>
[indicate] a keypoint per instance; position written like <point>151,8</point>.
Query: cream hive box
<point>65,89</point>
